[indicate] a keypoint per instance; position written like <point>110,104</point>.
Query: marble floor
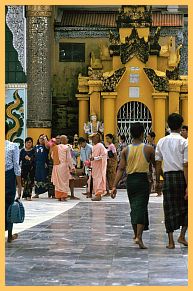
<point>85,243</point>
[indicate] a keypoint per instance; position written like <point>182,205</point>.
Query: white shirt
<point>173,151</point>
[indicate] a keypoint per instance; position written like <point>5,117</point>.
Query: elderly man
<point>99,166</point>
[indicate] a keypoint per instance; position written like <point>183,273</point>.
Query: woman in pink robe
<point>99,167</point>
<point>61,172</point>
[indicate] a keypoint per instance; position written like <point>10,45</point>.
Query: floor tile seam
<point>47,220</point>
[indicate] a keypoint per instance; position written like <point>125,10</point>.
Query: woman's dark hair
<point>29,139</point>
<point>81,139</point>
<point>152,134</point>
<point>175,121</point>
<point>123,138</point>
<point>109,135</point>
<point>39,137</point>
<point>136,130</point>
<point>6,127</point>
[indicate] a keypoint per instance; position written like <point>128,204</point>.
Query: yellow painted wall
<point>35,133</point>
<point>64,79</point>
<point>144,85</point>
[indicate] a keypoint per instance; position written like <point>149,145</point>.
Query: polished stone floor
<point>90,243</point>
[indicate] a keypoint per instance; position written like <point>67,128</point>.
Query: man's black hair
<point>175,121</point>
<point>136,129</point>
<point>81,139</point>
<point>184,127</point>
<point>152,134</point>
<point>109,135</point>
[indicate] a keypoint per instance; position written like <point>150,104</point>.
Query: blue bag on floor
<point>16,212</point>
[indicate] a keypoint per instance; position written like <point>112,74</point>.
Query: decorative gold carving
<point>134,16</point>
<point>94,74</point>
<point>95,62</point>
<point>109,95</point>
<point>158,95</point>
<point>169,50</point>
<point>174,85</point>
<point>160,83</point>
<point>104,52</point>
<point>82,83</point>
<point>173,74</point>
<point>39,10</point>
<point>154,44</point>
<point>134,46</point>
<point>110,82</point>
<point>113,38</point>
<point>174,57</point>
<point>94,86</point>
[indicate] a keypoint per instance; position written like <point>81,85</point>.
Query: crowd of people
<point>51,166</point>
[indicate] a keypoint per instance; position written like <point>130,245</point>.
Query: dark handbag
<point>110,154</point>
<point>16,212</point>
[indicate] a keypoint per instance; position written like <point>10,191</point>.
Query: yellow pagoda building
<point>136,78</point>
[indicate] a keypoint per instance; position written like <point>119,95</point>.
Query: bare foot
<point>106,194</point>
<point>74,198</point>
<point>14,236</point>
<point>140,243</point>
<point>183,241</point>
<point>135,240</point>
<point>36,196</point>
<point>63,199</point>
<point>170,246</point>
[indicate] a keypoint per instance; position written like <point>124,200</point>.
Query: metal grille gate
<point>132,112</point>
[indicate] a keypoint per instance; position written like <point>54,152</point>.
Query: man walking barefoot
<point>173,151</point>
<point>135,159</point>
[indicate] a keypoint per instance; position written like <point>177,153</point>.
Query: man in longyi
<point>135,159</point>
<point>172,150</point>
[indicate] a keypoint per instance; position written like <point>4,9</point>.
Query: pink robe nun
<point>61,172</point>
<point>99,168</point>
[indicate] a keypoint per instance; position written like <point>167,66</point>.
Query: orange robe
<point>99,168</point>
<point>61,172</point>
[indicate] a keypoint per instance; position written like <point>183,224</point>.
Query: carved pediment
<point>173,74</point>
<point>114,38</point>
<point>134,16</point>
<point>160,83</point>
<point>110,83</point>
<point>154,42</point>
<point>134,46</point>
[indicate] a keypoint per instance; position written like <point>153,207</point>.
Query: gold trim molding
<point>39,10</point>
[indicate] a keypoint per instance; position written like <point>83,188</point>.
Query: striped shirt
<point>12,157</point>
